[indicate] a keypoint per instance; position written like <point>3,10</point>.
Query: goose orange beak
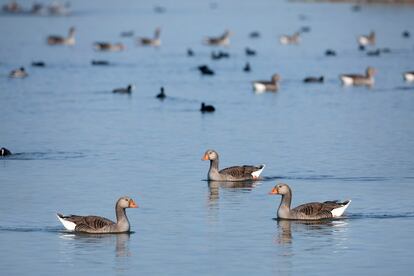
<point>205,157</point>
<point>274,191</point>
<point>132,204</point>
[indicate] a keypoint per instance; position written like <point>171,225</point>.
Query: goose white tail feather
<point>347,80</point>
<point>339,211</point>
<point>67,224</point>
<point>257,173</point>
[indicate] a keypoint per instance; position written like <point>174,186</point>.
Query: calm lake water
<point>78,147</point>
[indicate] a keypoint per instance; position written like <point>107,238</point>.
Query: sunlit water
<point>79,147</point>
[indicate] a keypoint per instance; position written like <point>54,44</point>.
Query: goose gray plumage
<point>100,225</point>
<point>222,40</point>
<point>354,79</point>
<point>262,86</point>
<point>155,41</point>
<point>109,47</point>
<point>364,40</point>
<point>18,73</point>
<point>235,173</point>
<point>59,40</point>
<point>307,211</point>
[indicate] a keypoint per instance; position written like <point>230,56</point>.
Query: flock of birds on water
<point>313,211</point>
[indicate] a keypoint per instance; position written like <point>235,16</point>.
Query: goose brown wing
<point>238,171</point>
<point>88,222</point>
<point>314,210</point>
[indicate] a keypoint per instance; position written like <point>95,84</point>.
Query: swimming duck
<point>354,79</point>
<point>99,62</point>
<point>219,55</point>
<point>409,76</point>
<point>126,90</point>
<point>18,73</point>
<point>249,52</point>
<point>330,52</point>
<point>254,34</point>
<point>406,34</point>
<point>205,70</point>
<point>307,211</point>
<point>59,40</point>
<point>155,41</point>
<point>374,53</point>
<point>5,152</point>
<point>207,108</point>
<point>109,47</point>
<point>235,173</point>
<point>365,40</point>
<point>290,39</point>
<point>100,225</point>
<point>247,67</point>
<point>222,40</point>
<point>127,34</point>
<point>161,95</point>
<point>313,79</point>
<point>273,85</point>
<point>38,64</point>
<point>190,52</point>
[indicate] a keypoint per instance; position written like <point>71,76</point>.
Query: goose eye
<point>126,199</point>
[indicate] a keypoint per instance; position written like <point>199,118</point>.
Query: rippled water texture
<point>78,147</point>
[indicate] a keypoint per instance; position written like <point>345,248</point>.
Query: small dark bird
<point>38,64</point>
<point>406,34</point>
<point>207,108</point>
<point>305,29</point>
<point>374,53</point>
<point>99,62</point>
<point>247,67</point>
<point>330,52</point>
<point>249,52</point>
<point>361,47</point>
<point>161,95</point>
<point>205,70</point>
<point>219,55</point>
<point>190,52</point>
<point>254,34</point>
<point>313,79</point>
<point>4,152</point>
<point>126,90</point>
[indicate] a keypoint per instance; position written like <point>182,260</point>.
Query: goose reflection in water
<point>81,240</point>
<point>238,186</point>
<point>321,227</point>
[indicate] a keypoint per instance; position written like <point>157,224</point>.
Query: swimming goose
<point>307,211</point>
<point>161,95</point>
<point>365,40</point>
<point>354,79</point>
<point>235,173</point>
<point>59,40</point>
<point>313,79</point>
<point>126,90</point>
<point>18,73</point>
<point>290,39</point>
<point>409,76</point>
<point>206,108</point>
<point>100,225</point>
<point>273,85</point>
<point>155,41</point>
<point>222,40</point>
<point>108,47</point>
<point>4,152</point>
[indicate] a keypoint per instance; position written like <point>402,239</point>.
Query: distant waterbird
<point>207,108</point>
<point>154,41</point>
<point>5,152</point>
<point>365,40</point>
<point>409,76</point>
<point>355,79</point>
<point>109,47</point>
<point>126,90</point>
<point>263,85</point>
<point>59,40</point>
<point>247,67</point>
<point>18,73</point>
<point>313,79</point>
<point>38,64</point>
<point>161,95</point>
<point>223,40</point>
<point>205,70</point>
<point>249,52</point>
<point>290,39</point>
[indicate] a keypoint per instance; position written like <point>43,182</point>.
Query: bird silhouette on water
<point>206,108</point>
<point>161,95</point>
<point>205,70</point>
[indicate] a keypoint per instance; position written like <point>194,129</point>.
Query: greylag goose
<point>290,39</point>
<point>222,40</point>
<point>365,40</point>
<point>59,40</point>
<point>155,41</point>
<point>4,152</point>
<point>273,85</point>
<point>235,173</point>
<point>313,79</point>
<point>109,47</point>
<point>100,225</point>
<point>354,79</point>
<point>307,211</point>
<point>207,108</point>
<point>123,90</point>
<point>161,95</point>
<point>205,70</point>
<point>18,73</point>
<point>409,76</point>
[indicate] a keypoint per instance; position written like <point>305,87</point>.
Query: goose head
<point>371,71</point>
<point>157,32</point>
<point>72,31</point>
<point>210,155</point>
<point>280,189</point>
<point>275,78</point>
<point>126,202</point>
